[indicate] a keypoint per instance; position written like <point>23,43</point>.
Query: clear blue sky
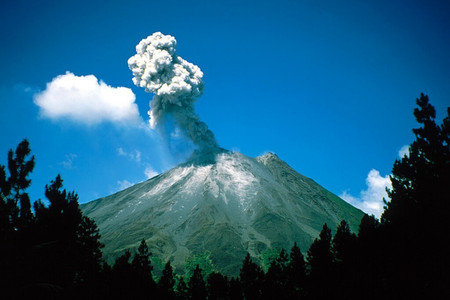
<point>329,86</point>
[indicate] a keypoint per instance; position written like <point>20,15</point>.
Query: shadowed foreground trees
<point>56,251</point>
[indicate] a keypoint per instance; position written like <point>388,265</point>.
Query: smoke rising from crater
<point>176,85</point>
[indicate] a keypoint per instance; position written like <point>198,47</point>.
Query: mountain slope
<point>230,205</point>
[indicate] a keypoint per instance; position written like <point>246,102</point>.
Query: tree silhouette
<point>320,262</point>
<point>19,169</point>
<point>415,219</point>
<point>196,285</point>
<point>251,278</point>
<point>276,278</point>
<point>217,286</point>
<point>296,273</point>
<point>68,250</point>
<point>344,243</point>
<point>182,289</point>
<point>319,256</point>
<point>344,246</point>
<point>16,219</point>
<point>142,264</point>
<point>166,283</point>
<point>235,289</point>
<point>122,277</point>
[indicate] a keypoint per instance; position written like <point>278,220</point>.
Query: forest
<point>49,250</point>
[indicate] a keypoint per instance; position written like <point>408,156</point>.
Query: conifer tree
<point>16,218</point>
<point>19,169</point>
<point>15,207</point>
<point>141,262</point>
<point>415,221</point>
<point>182,289</point>
<point>344,243</point>
<point>319,256</point>
<point>320,262</point>
<point>235,289</point>
<point>296,273</point>
<point>122,282</point>
<point>344,250</point>
<point>217,286</point>
<point>167,282</point>
<point>251,278</point>
<point>196,285</point>
<point>276,277</point>
<point>68,249</point>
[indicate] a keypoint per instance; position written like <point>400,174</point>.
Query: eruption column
<point>175,83</point>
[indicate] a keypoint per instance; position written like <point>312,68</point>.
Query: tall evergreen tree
<point>344,243</point>
<point>320,262</point>
<point>15,207</point>
<point>196,285</point>
<point>166,283</point>
<point>19,168</point>
<point>296,273</point>
<point>122,278</point>
<point>251,278</point>
<point>182,289</point>
<point>344,247</point>
<point>319,255</point>
<point>88,240</point>
<point>235,289</point>
<point>276,278</point>
<point>142,264</point>
<point>16,218</point>
<point>68,247</point>
<point>415,226</point>
<point>217,286</point>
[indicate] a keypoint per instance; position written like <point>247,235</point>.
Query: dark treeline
<point>53,251</point>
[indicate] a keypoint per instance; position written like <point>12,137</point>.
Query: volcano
<point>228,204</point>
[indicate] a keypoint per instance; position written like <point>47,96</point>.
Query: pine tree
<point>15,208</point>
<point>320,262</point>
<point>368,227</point>
<point>90,254</point>
<point>296,273</point>
<point>19,169</point>
<point>319,256</point>
<point>343,246</point>
<point>276,278</point>
<point>235,289</point>
<point>166,283</point>
<point>141,262</point>
<point>182,289</point>
<point>251,278</point>
<point>217,286</point>
<point>344,243</point>
<point>196,285</point>
<point>68,249</point>
<point>122,278</point>
<point>16,219</point>
<point>415,226</point>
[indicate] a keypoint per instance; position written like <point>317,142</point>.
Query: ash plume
<point>176,85</point>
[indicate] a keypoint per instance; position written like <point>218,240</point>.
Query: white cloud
<point>123,184</point>
<point>134,155</point>
<point>86,100</point>
<point>68,163</point>
<point>370,200</point>
<point>403,151</point>
<point>150,172</point>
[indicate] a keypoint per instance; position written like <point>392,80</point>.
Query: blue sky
<point>329,86</point>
